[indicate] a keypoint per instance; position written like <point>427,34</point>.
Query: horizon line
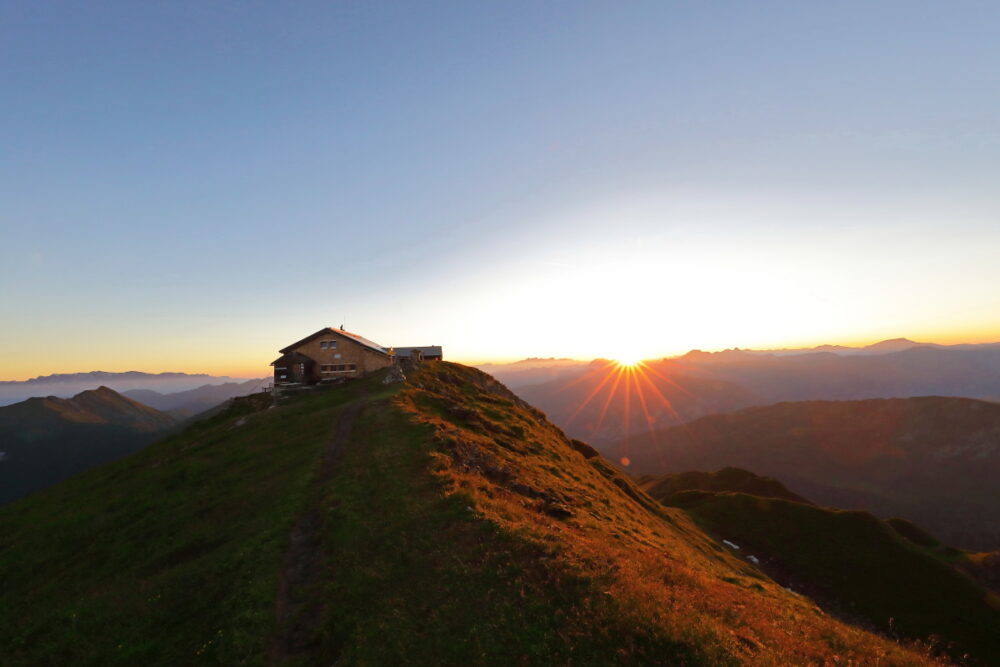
<point>472,361</point>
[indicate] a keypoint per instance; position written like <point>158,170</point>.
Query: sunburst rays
<point>628,390</point>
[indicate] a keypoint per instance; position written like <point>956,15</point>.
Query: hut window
<point>338,368</point>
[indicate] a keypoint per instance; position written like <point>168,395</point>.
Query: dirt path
<point>297,610</point>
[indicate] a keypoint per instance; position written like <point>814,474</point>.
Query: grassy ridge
<point>456,526</point>
<point>668,588</point>
<point>416,577</point>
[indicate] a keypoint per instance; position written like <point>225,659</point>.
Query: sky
<point>189,186</point>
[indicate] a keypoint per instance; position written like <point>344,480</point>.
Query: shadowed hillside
<point>438,522</point>
<point>45,440</point>
<point>857,567</point>
<point>932,460</point>
<point>664,487</point>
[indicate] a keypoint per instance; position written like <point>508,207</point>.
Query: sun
<point>627,358</point>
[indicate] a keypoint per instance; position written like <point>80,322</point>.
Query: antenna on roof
<point>344,321</point>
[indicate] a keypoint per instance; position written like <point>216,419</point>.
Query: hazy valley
<point>65,385</point>
<point>595,402</point>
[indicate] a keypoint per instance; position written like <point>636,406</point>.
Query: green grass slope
<point>169,556</point>
<point>441,521</point>
<point>892,575</point>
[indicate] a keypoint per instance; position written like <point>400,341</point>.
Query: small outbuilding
<point>426,353</point>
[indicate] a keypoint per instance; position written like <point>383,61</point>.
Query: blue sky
<point>189,186</point>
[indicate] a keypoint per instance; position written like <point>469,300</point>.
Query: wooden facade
<point>327,355</point>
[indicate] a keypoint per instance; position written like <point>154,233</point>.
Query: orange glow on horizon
<point>118,355</point>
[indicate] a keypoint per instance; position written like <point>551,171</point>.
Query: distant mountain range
<point>44,440</point>
<point>882,347</point>
<point>920,370</point>
<point>909,374</point>
<point>532,371</point>
<point>191,402</point>
<point>589,401</point>
<point>932,460</point>
<point>65,385</point>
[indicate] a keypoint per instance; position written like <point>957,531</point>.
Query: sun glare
<point>627,359</point>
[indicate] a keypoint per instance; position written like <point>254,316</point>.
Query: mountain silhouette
<point>48,439</point>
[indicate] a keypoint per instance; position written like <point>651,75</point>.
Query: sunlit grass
<point>670,587</point>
